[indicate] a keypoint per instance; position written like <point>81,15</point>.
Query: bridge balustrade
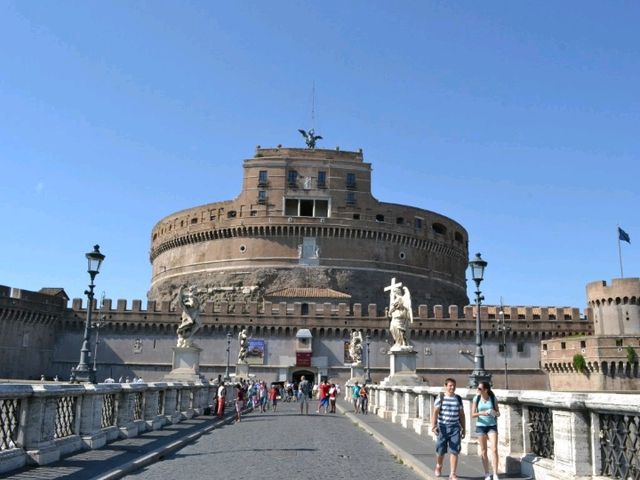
<point>39,423</point>
<point>541,433</point>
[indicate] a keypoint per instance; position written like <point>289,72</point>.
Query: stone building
<point>137,341</point>
<point>307,218</point>
<point>608,360</point>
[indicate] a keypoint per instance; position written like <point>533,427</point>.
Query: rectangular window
<point>399,220</point>
<point>292,178</point>
<point>563,345</point>
<point>322,179</point>
<point>322,208</point>
<point>418,222</point>
<point>351,180</point>
<point>520,347</point>
<point>501,348</point>
<point>306,208</point>
<point>351,198</point>
<point>619,342</point>
<point>583,344</point>
<point>544,347</point>
<point>262,178</point>
<point>291,207</point>
<point>262,196</point>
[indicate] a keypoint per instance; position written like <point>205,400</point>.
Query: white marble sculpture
<point>190,321</point>
<point>401,315</point>
<point>243,346</point>
<point>355,347</point>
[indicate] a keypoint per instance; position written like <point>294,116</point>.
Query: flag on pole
<point>624,236</point>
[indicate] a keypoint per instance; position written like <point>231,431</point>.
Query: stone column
<point>91,415</point>
<point>510,425</point>
<point>152,416</point>
<point>397,405</point>
<point>571,434</point>
<point>171,413</point>
<point>186,401</point>
<point>410,408</point>
<point>422,425</point>
<point>126,411</point>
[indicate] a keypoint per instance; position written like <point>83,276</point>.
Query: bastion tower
<point>306,225</point>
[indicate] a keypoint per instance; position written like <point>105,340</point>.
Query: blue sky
<point>520,120</point>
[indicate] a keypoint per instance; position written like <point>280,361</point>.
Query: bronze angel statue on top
<point>310,138</point>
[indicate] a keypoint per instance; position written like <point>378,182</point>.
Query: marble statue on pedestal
<point>355,347</point>
<point>190,320</point>
<point>401,315</point>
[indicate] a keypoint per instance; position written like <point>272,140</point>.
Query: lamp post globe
<point>84,372</point>
<point>479,374</point>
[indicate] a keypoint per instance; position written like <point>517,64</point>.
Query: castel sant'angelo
<point>306,218</point>
<point>300,260</point>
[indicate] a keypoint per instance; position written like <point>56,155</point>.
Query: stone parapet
<point>41,422</point>
<point>541,434</point>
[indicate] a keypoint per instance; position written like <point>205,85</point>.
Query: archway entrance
<point>308,374</point>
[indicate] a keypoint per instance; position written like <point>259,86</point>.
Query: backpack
<point>457,396</point>
<point>492,397</point>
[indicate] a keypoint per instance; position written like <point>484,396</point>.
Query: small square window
<point>399,220</point>
<point>619,342</point>
<point>544,347</point>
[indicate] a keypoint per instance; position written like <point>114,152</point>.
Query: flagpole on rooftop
<point>620,253</point>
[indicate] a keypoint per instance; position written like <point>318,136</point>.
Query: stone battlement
<point>305,153</point>
<point>357,310</point>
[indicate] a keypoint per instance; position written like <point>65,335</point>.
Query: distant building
<point>608,360</point>
<point>308,219</point>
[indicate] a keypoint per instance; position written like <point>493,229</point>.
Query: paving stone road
<point>282,445</point>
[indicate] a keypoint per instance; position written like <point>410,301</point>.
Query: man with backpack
<point>448,422</point>
<point>305,394</point>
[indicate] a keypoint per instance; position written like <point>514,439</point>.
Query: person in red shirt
<point>273,397</point>
<point>323,396</point>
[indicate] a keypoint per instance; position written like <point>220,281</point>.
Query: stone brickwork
<point>611,354</point>
<point>307,218</point>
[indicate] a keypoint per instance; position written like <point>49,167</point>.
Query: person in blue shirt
<point>450,427</point>
<point>485,409</point>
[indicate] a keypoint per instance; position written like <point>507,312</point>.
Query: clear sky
<point>520,120</point>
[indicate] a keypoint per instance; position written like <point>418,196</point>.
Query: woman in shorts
<point>484,408</point>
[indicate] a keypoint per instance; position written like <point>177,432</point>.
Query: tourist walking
<point>239,400</point>
<point>485,409</point>
<point>333,393</point>
<point>305,393</point>
<point>364,399</point>
<point>323,397</point>
<point>262,396</point>
<point>450,427</point>
<point>273,397</point>
<point>222,395</point>
<point>355,396</point>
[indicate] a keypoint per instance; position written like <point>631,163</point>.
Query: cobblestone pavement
<point>282,445</point>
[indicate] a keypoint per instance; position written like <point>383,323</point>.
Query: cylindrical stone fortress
<point>307,218</point>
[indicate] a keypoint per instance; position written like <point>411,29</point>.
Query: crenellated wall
<point>137,339</point>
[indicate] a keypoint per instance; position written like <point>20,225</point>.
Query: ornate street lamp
<point>83,371</point>
<point>479,374</point>
<point>226,372</point>
<point>503,328</point>
<point>367,339</point>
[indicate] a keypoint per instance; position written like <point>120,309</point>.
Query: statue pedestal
<point>242,371</point>
<point>357,374</point>
<point>402,368</point>
<point>186,365</point>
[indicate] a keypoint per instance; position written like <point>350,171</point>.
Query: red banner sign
<point>303,359</point>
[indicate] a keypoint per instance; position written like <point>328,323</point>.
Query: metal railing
<point>585,435</point>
